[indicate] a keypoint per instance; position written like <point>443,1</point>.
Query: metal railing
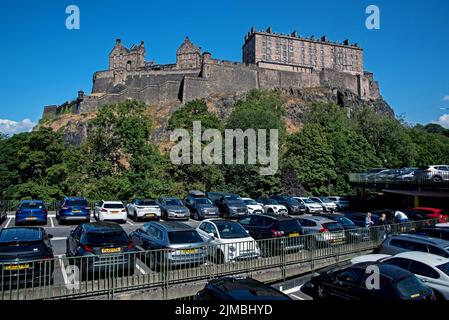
<point>109,274</point>
<point>431,180</point>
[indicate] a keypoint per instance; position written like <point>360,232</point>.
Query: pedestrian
<point>400,216</point>
<point>368,221</point>
<point>384,226</point>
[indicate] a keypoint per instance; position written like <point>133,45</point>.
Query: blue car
<point>31,211</point>
<point>73,209</point>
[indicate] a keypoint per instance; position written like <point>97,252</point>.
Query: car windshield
<point>332,226</point>
<point>344,199</point>
<point>146,203</point>
<point>345,221</point>
<point>444,268</point>
<point>114,206</point>
<point>22,247</point>
<point>173,202</point>
<point>32,205</point>
<point>292,201</point>
<point>92,238</point>
<point>410,287</point>
<point>326,200</point>
<point>270,201</point>
<point>290,225</point>
<point>231,230</point>
<point>232,198</point>
<point>250,201</point>
<point>308,200</point>
<point>76,203</point>
<point>189,236</point>
<point>202,201</point>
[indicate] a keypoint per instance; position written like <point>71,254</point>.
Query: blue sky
<point>44,63</point>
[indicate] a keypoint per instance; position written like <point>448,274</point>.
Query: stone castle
<point>270,61</point>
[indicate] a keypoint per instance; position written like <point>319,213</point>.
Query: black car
<point>235,289</point>
<point>231,206</point>
<point>353,283</point>
<point>434,232</point>
<point>26,257</point>
<point>101,247</point>
<point>352,231</point>
<point>201,207</point>
<point>294,207</point>
<point>266,227</point>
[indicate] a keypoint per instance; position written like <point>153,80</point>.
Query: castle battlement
<point>270,61</point>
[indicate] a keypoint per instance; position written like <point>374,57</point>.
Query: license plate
<point>31,218</point>
<point>189,251</point>
<point>149,215</point>
<point>16,267</point>
<point>115,212</point>
<point>110,250</point>
<point>293,235</point>
<point>415,296</point>
<point>76,211</point>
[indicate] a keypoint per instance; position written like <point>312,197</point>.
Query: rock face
<point>76,127</point>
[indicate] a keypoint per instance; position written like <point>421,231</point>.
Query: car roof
<point>319,219</point>
<point>169,198</point>
<point>21,234</point>
<point>215,221</point>
<point>101,227</point>
<point>171,226</point>
<point>247,199</point>
<point>410,236</point>
<point>74,198</point>
<point>112,202</point>
<point>277,216</point>
<point>246,289</point>
<point>32,201</point>
<point>424,257</point>
<point>388,270</point>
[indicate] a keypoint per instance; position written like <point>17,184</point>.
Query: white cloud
<point>443,121</point>
<point>10,127</point>
<point>445,98</point>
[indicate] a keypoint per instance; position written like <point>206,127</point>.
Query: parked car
<point>405,175</point>
<point>26,258</point>
<point>430,213</point>
<point>110,211</point>
<point>227,241</point>
<point>434,232</point>
<point>272,206</point>
<point>31,211</point>
<point>384,176</point>
<point>169,244</point>
<point>144,210</point>
<point>3,213</point>
<point>349,283</point>
<point>311,206</point>
<point>173,209</point>
<point>238,289</point>
<point>293,206</point>
<point>434,173</point>
<point>364,176</point>
<point>253,206</point>
<point>201,208</point>
<point>73,209</point>
<point>214,196</point>
<point>433,270</point>
<point>352,231</point>
<point>326,204</point>
<point>395,244</point>
<point>90,246</point>
<point>324,232</point>
<point>359,218</point>
<point>341,202</point>
<point>272,226</point>
<point>231,206</point>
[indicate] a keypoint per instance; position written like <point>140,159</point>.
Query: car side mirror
<point>50,236</point>
<point>211,235</point>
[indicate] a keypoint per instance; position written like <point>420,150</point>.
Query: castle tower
<point>188,56</point>
<point>122,58</point>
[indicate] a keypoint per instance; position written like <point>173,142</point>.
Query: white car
<point>341,202</point>
<point>311,206</point>
<point>433,270</point>
<point>110,211</point>
<point>253,206</point>
<point>227,241</point>
<point>144,209</point>
<point>326,204</point>
<point>272,206</point>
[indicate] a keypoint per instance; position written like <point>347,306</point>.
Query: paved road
<point>61,232</point>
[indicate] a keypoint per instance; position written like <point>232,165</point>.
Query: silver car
<point>395,244</point>
<point>173,209</point>
<point>434,173</point>
<point>326,232</point>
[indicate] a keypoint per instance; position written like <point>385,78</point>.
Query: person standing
<point>369,221</point>
<point>400,216</point>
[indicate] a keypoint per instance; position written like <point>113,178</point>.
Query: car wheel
<point>196,216</point>
<point>136,218</point>
<point>321,293</point>
<point>437,179</point>
<point>270,211</point>
<point>219,258</point>
<point>307,210</point>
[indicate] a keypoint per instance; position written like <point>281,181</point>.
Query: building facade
<point>295,53</point>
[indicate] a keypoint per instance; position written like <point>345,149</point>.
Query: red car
<point>432,213</point>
